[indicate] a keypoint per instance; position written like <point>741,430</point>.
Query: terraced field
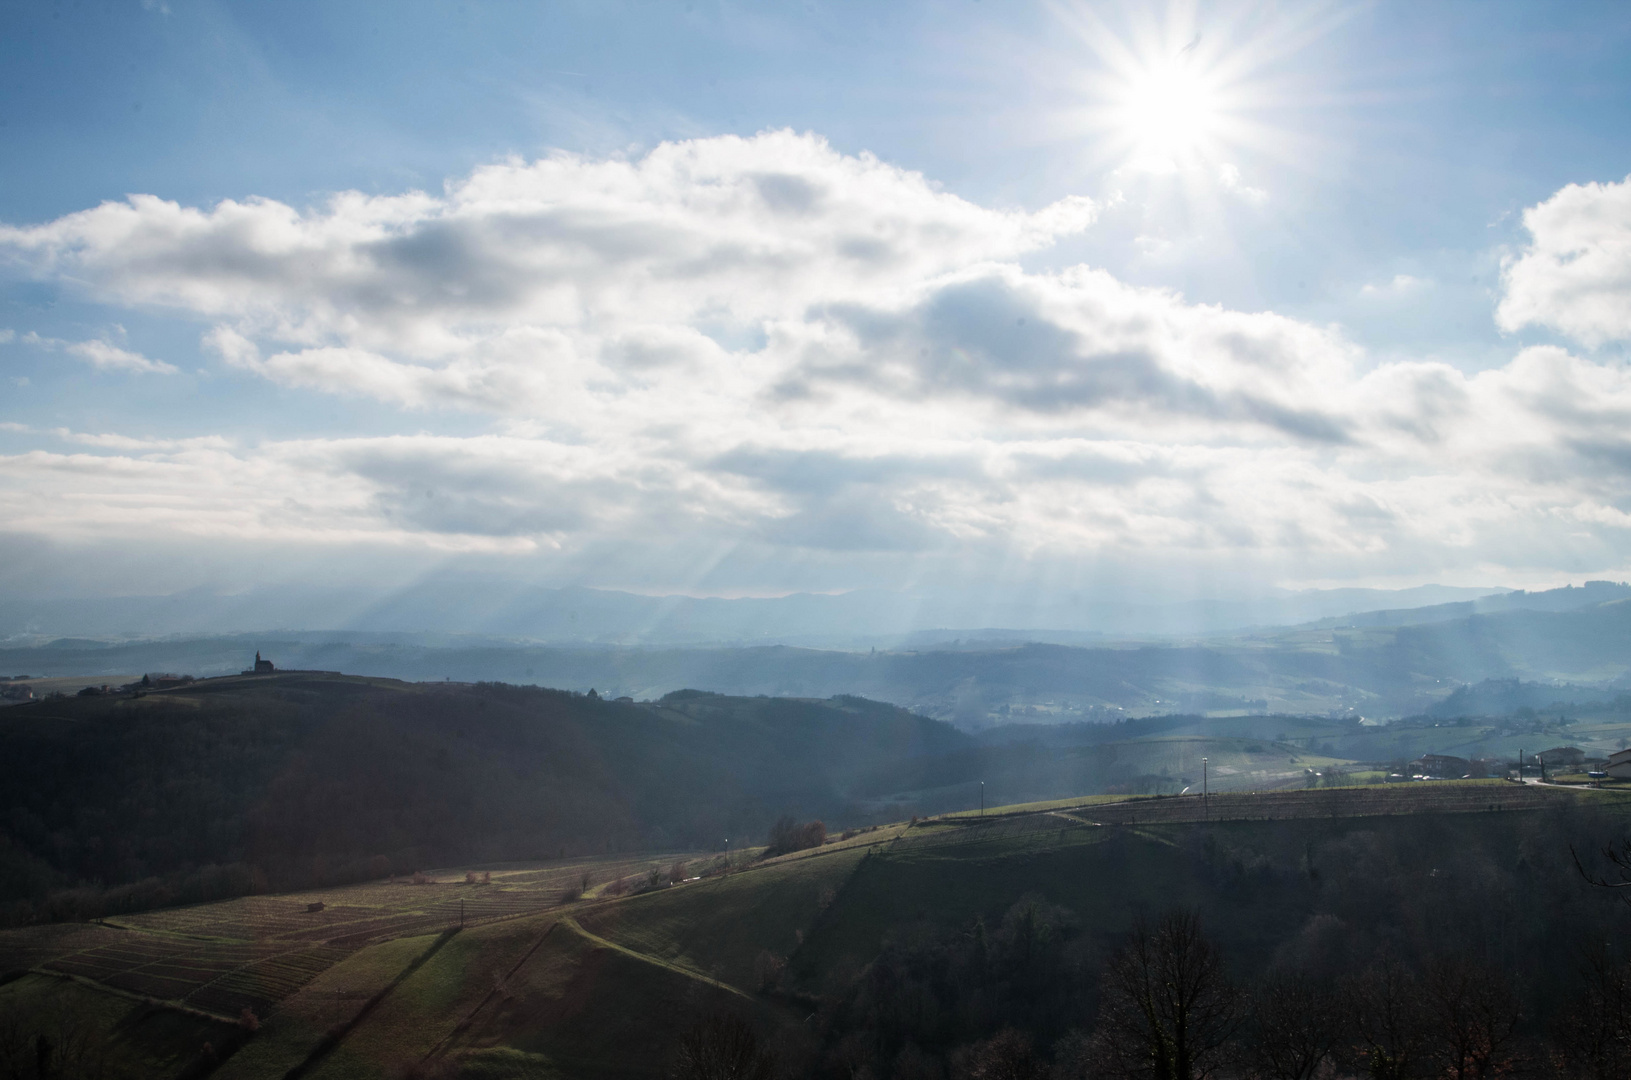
<point>1448,797</point>
<point>1445,797</point>
<point>254,952</point>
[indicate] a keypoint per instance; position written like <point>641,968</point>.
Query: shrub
<point>788,835</point>
<point>768,969</point>
<point>722,1047</point>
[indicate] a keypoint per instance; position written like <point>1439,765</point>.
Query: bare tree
<point>1294,1026</point>
<point>1168,1008</point>
<point>1618,856</point>
<point>1385,1007</point>
<point>722,1047</point>
<point>1007,1055</point>
<point>49,1043</point>
<point>1474,1014</point>
<point>1594,1031</point>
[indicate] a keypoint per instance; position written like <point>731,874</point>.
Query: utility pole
<point>1520,766</point>
<point>1206,795</point>
<point>982,798</point>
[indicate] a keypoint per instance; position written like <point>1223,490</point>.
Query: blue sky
<point>748,299</point>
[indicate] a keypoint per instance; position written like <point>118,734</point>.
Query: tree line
<point>1168,1009</point>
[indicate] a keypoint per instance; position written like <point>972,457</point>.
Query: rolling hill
<point>896,951</point>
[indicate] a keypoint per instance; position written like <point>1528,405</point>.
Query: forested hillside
<point>244,784</point>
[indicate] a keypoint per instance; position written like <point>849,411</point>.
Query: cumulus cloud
<point>754,227</point>
<point>1080,342</point>
<point>1575,274</point>
<point>768,348</point>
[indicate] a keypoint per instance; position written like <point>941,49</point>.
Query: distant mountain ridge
<point>1567,598</point>
<point>1578,636</point>
<point>575,615</point>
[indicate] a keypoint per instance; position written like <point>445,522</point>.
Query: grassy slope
<point>425,1008</point>
<point>331,999</point>
<point>719,927</point>
<point>596,1012</point>
<point>95,1030</point>
<point>531,996</point>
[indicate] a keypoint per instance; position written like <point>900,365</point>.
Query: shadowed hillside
<point>242,784</point>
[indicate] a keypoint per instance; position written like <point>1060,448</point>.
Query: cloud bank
<point>767,351</point>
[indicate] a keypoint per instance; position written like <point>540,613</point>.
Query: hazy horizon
<point>499,610</point>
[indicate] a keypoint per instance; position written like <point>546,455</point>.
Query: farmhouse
<point>1441,765</point>
<point>1619,765</point>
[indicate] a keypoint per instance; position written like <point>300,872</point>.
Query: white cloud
<point>1400,285</point>
<point>113,441</point>
<point>764,350</point>
<point>757,228</point>
<point>1575,275</point>
<point>112,358</point>
<point>1229,179</point>
<point>103,355</point>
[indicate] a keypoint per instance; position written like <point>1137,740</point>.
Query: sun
<point>1159,90</point>
<point>1168,113</point>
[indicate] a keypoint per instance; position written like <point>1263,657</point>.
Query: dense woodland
<point>1414,947</point>
<point>227,787</point>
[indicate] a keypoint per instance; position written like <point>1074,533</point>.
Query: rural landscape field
<point>337,933</point>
